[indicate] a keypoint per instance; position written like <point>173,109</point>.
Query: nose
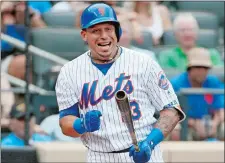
<point>103,35</point>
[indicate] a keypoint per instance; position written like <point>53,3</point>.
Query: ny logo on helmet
<point>101,11</point>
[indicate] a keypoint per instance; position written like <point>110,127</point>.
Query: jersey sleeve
<point>160,90</point>
<point>65,92</point>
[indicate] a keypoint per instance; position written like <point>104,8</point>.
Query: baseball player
<point>86,87</point>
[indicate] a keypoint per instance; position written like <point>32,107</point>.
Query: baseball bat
<point>124,107</point>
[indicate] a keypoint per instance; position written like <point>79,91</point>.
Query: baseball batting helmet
<point>100,13</point>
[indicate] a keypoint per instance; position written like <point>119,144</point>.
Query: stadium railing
<point>182,96</point>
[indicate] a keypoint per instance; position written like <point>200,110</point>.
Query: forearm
<point>66,124</point>
<point>217,119</point>
<point>167,121</point>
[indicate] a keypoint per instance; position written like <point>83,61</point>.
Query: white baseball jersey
<point>138,75</point>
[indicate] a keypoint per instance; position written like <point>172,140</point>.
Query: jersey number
<point>135,110</point>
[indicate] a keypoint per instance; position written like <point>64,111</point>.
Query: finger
<point>148,153</point>
<point>131,152</point>
<point>98,113</point>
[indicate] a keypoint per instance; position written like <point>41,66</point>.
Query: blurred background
<point>185,37</point>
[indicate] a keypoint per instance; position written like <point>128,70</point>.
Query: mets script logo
<point>88,96</point>
<point>163,81</point>
<point>101,11</point>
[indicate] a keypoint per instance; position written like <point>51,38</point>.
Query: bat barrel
<point>124,107</point>
<point>120,95</point>
<point>122,101</point>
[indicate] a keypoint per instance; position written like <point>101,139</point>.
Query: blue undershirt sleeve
<point>73,110</point>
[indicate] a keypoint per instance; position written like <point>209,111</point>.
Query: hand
<point>213,130</point>
<point>92,120</point>
<point>200,129</point>
<point>143,155</point>
<point>39,130</point>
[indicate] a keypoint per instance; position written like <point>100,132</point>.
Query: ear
<point>84,35</point>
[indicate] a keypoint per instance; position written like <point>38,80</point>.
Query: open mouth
<point>104,44</point>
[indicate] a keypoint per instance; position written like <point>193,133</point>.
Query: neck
<point>194,83</point>
<point>186,49</point>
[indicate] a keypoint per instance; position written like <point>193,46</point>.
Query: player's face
<point>186,34</point>
<point>102,40</point>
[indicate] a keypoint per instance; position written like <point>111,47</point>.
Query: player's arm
<point>67,102</point>
<point>66,124</point>
<point>74,125</point>
<point>67,119</point>
<point>168,120</point>
<point>165,101</point>
<point>71,122</point>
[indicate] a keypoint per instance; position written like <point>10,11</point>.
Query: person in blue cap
<point>17,127</point>
<point>206,112</point>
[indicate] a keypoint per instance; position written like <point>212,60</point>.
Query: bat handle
<point>136,147</point>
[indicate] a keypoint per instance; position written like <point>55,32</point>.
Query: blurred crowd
<point>187,55</point>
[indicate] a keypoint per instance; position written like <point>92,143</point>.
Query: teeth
<point>103,44</point>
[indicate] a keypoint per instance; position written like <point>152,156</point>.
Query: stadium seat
<point>206,20</point>
<point>50,104</point>
<point>145,42</point>
<point>218,71</point>
<point>65,43</point>
<point>206,38</point>
<point>25,154</point>
<point>214,7</point>
<point>60,41</point>
<point>62,19</point>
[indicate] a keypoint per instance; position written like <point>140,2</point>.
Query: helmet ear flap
<point>118,31</point>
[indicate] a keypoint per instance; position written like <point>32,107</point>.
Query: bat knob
<point>137,149</point>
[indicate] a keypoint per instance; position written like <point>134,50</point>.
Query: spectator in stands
<point>151,17</point>
<point>186,32</point>
<point>7,101</point>
<point>69,6</point>
<point>12,24</point>
<point>17,126</point>
<point>50,125</point>
<point>126,39</point>
<point>40,6</point>
<point>202,106</point>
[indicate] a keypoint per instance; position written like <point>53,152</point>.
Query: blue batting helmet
<point>100,13</point>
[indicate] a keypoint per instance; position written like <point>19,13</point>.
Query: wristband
<point>78,126</point>
<point>155,137</point>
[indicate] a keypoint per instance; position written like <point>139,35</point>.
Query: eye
<point>109,29</point>
<point>95,30</point>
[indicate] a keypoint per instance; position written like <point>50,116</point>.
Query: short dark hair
<point>189,68</point>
